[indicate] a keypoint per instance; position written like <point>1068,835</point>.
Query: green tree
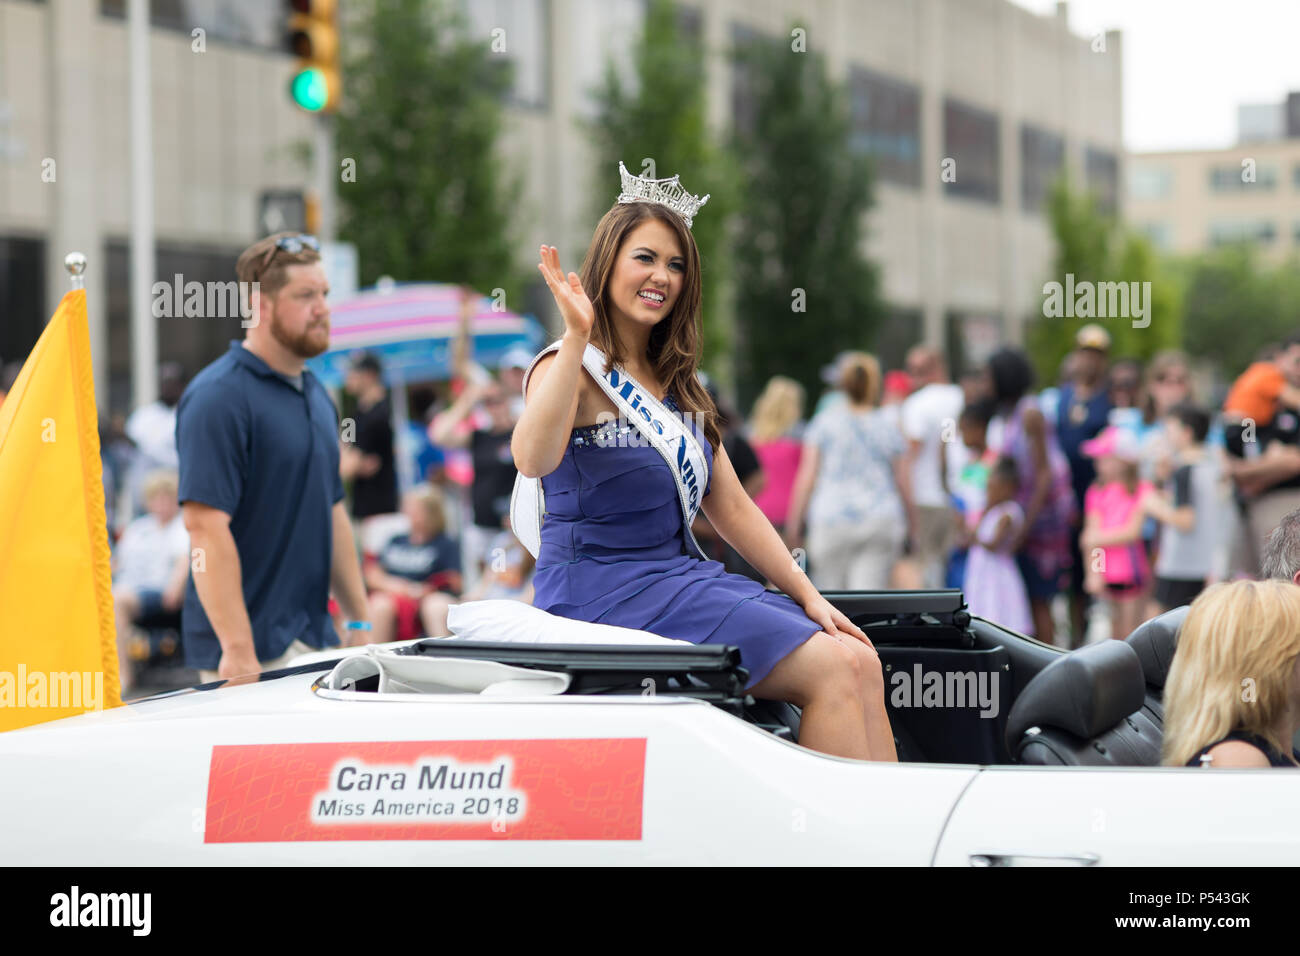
<point>1093,246</point>
<point>422,110</point>
<point>1235,306</point>
<point>804,289</point>
<point>660,129</point>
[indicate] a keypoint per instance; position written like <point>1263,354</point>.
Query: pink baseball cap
<point>1112,442</point>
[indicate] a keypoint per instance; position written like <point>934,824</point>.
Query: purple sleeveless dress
<point>614,552</point>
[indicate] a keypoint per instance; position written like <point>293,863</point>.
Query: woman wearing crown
<point>615,546</point>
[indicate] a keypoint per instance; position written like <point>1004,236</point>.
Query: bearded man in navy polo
<point>260,489</point>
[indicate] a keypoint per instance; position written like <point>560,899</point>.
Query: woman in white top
<point>848,487</point>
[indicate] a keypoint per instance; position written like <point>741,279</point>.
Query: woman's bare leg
<point>824,678</point>
<point>880,734</point>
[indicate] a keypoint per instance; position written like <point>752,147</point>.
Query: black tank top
<point>1275,758</point>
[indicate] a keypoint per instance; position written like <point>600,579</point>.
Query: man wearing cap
<point>368,459</point>
<point>1081,413</point>
<point>260,491</point>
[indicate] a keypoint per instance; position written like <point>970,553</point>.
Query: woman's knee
<point>873,673</point>
<point>840,670</point>
<point>820,668</point>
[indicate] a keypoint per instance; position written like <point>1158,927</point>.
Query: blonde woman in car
<point>1233,694</point>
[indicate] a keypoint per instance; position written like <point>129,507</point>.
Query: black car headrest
<point>1155,641</point>
<point>1085,692</point>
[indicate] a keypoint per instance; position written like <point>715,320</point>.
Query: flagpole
<point>144,335</point>
<point>75,263</point>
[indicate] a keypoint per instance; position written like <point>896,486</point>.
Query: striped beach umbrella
<point>411,328</point>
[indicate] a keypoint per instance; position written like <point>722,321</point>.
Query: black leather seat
<point>1154,642</point>
<point>1085,709</point>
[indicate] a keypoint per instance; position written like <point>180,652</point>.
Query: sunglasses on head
<point>290,244</point>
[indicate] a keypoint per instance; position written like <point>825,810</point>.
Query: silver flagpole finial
<point>75,263</point>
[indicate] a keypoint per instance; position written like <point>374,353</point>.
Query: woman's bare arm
<point>550,408</point>
<point>555,384</point>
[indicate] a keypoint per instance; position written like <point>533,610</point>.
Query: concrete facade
<point>941,256</point>
<point>1190,201</point>
<point>224,130</point>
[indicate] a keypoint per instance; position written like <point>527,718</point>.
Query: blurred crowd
<point>1094,502</point>
<point>1067,512</point>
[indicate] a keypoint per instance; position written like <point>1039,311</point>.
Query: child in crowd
<point>1189,522</point>
<point>151,566</point>
<point>993,585</point>
<point>414,575</point>
<point>1115,560</point>
<point>969,488</point>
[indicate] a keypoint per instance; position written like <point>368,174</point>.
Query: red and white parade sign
<point>584,789</point>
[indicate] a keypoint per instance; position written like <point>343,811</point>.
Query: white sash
<point>666,433</point>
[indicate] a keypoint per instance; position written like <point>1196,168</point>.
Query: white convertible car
<point>471,752</point>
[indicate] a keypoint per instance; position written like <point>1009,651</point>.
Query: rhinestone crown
<point>666,192</point>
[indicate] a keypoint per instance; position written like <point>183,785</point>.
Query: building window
<point>744,96</point>
<point>1159,233</point>
<point>886,117</point>
<point>1228,231</point>
<point>970,140</point>
<point>1150,182</point>
<point>898,331</point>
<point>970,338</point>
<point>1042,156</point>
<point>244,22</point>
<point>1238,178</point>
<point>614,27</point>
<point>527,45</point>
<point>1101,171</point>
<point>190,340</point>
<point>22,297</point>
<point>691,22</point>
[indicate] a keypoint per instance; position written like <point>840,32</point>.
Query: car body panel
<point>1126,816</point>
<point>131,786</point>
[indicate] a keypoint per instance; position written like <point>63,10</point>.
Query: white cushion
<point>418,674</point>
<point>519,623</point>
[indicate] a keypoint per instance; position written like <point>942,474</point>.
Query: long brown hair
<point>676,342</point>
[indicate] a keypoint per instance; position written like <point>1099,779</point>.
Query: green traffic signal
<point>310,90</point>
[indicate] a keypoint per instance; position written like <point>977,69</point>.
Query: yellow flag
<point>58,649</point>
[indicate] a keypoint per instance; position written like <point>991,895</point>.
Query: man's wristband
<point>358,626</point>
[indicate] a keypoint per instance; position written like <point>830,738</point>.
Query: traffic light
<point>313,37</point>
